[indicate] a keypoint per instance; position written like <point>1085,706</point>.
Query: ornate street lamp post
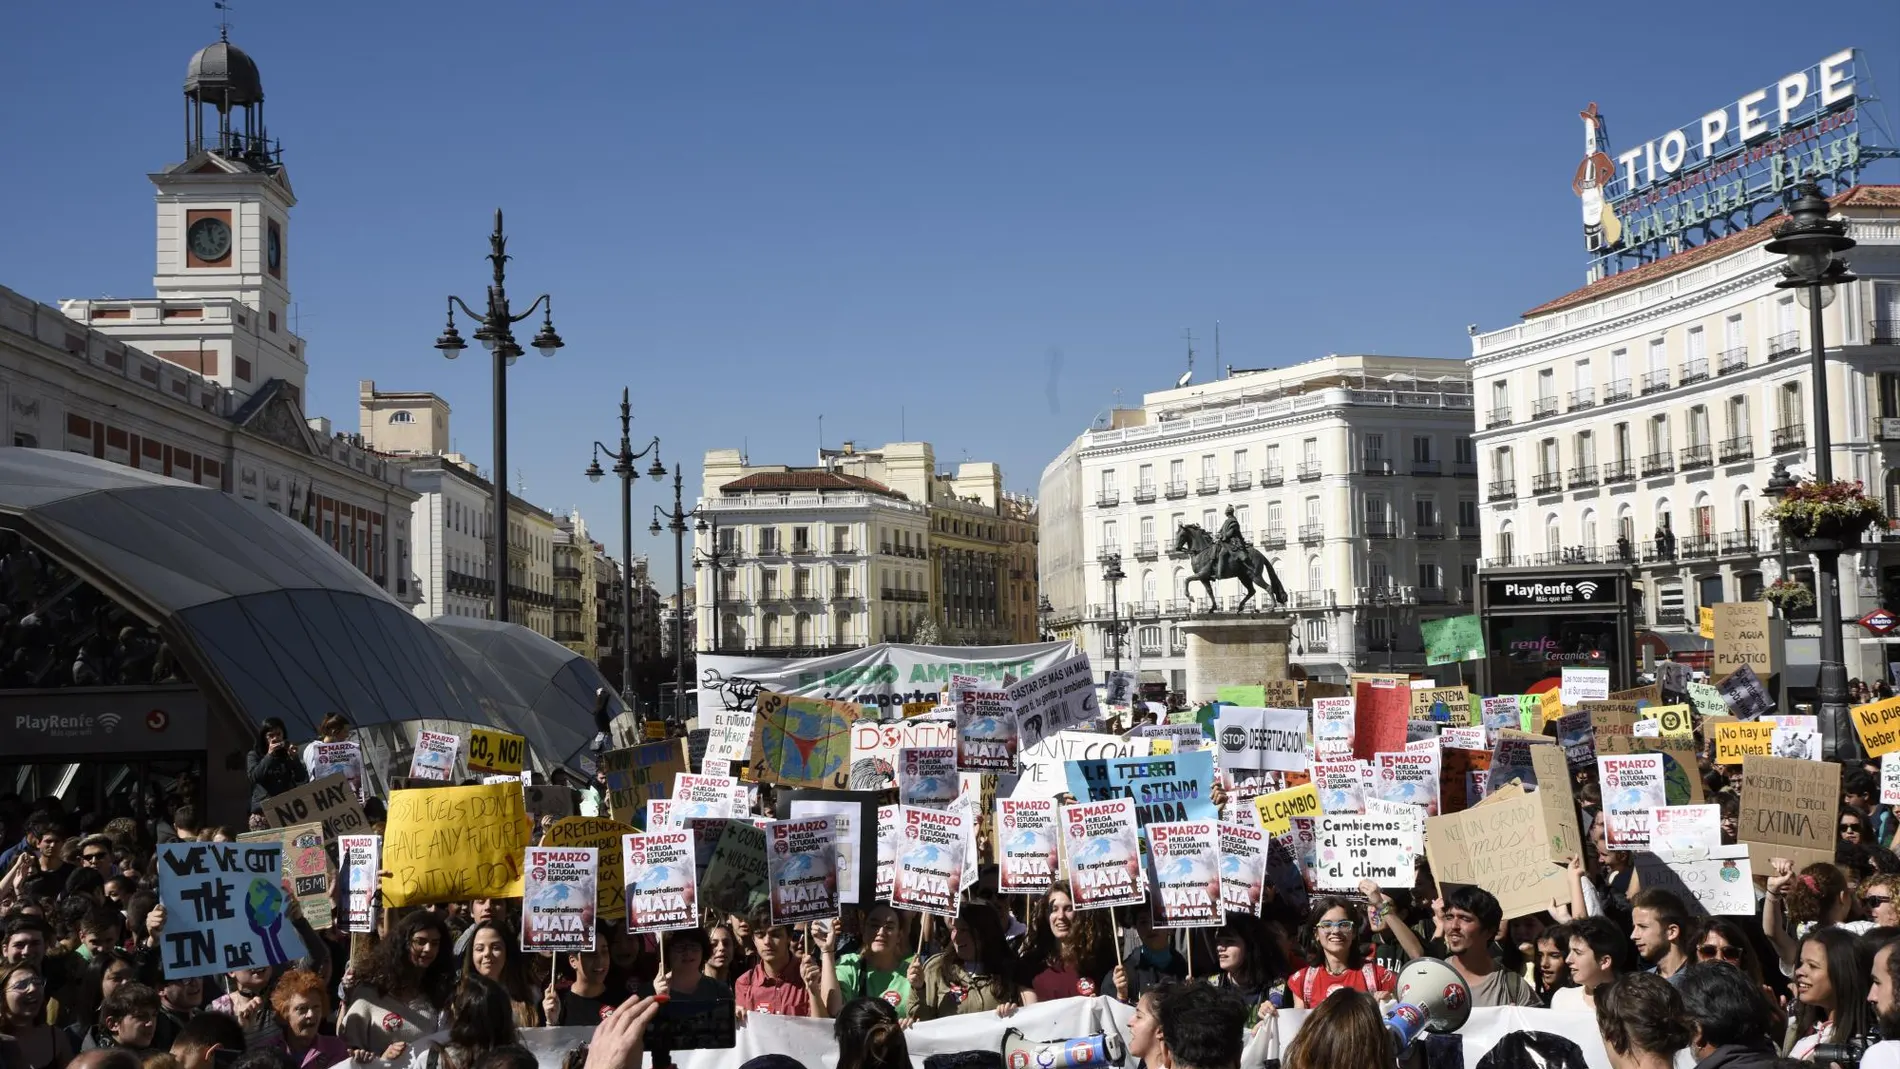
<point>623,459</point>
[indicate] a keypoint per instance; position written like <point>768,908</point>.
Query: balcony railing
<point>1312,532</point>
<point>1729,361</point>
<point>1465,469</point>
<point>1741,447</point>
<point>1497,417</point>
<point>1108,499</point>
<point>1176,489</point>
<point>1546,482</point>
<point>1544,408</point>
<point>1674,615</point>
<point>1375,464</point>
<point>1742,542</point>
<point>1617,390</point>
<point>1501,490</point>
<point>1147,550</point>
<point>1209,484</point>
<point>1308,470</point>
<point>1697,456</point>
<point>1431,531</point>
<point>1655,381</point>
<point>1467,530</point>
<point>1240,480</point>
<point>1791,437</point>
<point>1313,599</point>
<point>1658,464</point>
<point>562,571</point>
<point>1695,370</point>
<point>1145,494</point>
<point>1885,330</point>
<point>1112,551</point>
<point>1381,529</point>
<point>1584,398</point>
<point>1787,343</point>
<point>1425,467</point>
<point>1431,595</point>
<point>1583,475</point>
<point>1617,471</point>
<point>1273,538</point>
<point>1696,546</point>
<point>1318,645</point>
<point>1272,476</point>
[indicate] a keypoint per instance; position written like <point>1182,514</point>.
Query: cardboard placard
<point>446,844</point>
<point>1744,638</point>
<point>637,774</point>
<point>329,801</point>
<point>1879,726</point>
<point>225,908</point>
<point>1788,809</point>
<point>1501,846</point>
<point>1737,739</point>
<point>490,750</point>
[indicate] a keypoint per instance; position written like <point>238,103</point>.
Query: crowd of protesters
<point>81,975</point>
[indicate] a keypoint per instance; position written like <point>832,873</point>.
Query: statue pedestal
<point>1234,651</point>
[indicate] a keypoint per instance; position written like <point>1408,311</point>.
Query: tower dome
<point>222,75</point>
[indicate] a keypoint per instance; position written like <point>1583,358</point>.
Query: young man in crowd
<point>1884,993</point>
<point>1151,962</point>
<point>1730,1017</point>
<point>1472,920</point>
<point>1659,926</point>
<point>586,1001</point>
<point>782,984</point>
<point>1202,1027</point>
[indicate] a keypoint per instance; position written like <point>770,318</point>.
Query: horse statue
<point>1210,560</point>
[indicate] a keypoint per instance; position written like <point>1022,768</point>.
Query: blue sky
<point>970,222</point>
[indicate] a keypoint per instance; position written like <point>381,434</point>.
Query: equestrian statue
<point>1227,555</point>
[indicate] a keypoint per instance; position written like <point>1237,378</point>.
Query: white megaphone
<point>1098,1051</point>
<point>1432,997</point>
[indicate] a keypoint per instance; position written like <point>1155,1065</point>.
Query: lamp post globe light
<point>623,459</point>
<point>496,333</point>
<point>1811,242</point>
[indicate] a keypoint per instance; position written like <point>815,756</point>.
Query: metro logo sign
<point>1880,621</point>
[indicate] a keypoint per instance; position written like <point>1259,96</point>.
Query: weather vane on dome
<point>224,18</point>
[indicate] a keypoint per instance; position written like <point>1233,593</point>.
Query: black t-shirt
<point>579,1011</point>
<point>49,883</point>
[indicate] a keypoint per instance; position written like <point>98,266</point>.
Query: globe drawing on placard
<point>1627,800</point>
<point>1230,865</point>
<point>1676,786</point>
<point>1184,869</point>
<point>554,894</point>
<point>1100,848</point>
<point>1024,842</point>
<point>987,727</point>
<point>658,876</point>
<point>928,854</point>
<point>803,740</point>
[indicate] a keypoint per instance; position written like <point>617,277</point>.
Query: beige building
<point>576,596</point>
<point>404,423</point>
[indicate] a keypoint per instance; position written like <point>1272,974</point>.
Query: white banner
<point>885,675</point>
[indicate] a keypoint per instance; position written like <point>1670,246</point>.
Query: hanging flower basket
<point>1789,596</point>
<point>1838,512</point>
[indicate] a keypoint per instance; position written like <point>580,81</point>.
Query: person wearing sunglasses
<point>1334,940</point>
<point>1880,900</point>
<point>1852,827</point>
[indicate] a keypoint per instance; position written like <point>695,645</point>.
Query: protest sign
<point>1578,739</point>
<point>874,747</point>
<point>1796,743</point>
<point>359,857</point>
<point>225,908</point>
<point>1464,738</point>
<point>1411,778</point>
<point>1453,638</point>
<point>1477,782</point>
<point>1890,779</point>
<point>1720,884</point>
<point>1441,705</point>
<point>1243,868</point>
<point>736,876</point>
<point>1536,710</point>
<point>986,730</point>
<point>928,869</point>
<point>729,735</point>
<point>1705,621</point>
<point>1281,693</point>
<point>604,836</point>
<point>1502,847</point>
<point>1026,853</point>
<point>306,868</point>
<point>1585,684</point>
<point>1682,779</point>
<point>927,776</point>
<point>662,885</point>
<point>1511,757</point>
<point>1261,739</point>
<point>1672,678</point>
<point>1055,699</point>
<point>1743,639</point>
<point>1739,738</point>
<point>1171,788</point>
<point>1119,688</point>
<point>1279,808</point>
<point>1246,695</point>
<point>338,758</point>
<point>1632,787</point>
<point>1185,856</point>
<point>1879,726</point>
<point>444,844</point>
<point>1103,853</point>
<point>853,813</point>
<point>801,864</point>
<point>1380,710</point>
<point>1182,738</point>
<point>490,750</point>
<point>1499,712</point>
<point>638,773</point>
<point>1558,802</point>
<point>1707,700</point>
<point>1679,828</point>
<point>1332,728</point>
<point>1746,695</point>
<point>1045,773</point>
<point>560,897</point>
<point>1341,786</point>
<point>1674,721</point>
<point>328,801</point>
<point>1365,847</point>
<point>1638,697</point>
<point>801,742</point>
<point>1612,724</point>
<point>706,796</point>
<point>1788,810</point>
<point>1456,767</point>
<point>887,851</point>
<point>435,756</point>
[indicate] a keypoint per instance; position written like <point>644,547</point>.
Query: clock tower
<point>222,306</point>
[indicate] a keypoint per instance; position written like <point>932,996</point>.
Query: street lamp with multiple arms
<point>623,459</point>
<point>496,334</point>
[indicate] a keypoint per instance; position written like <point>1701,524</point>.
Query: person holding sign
<point>685,979</point>
<point>1071,952</point>
<point>399,997</point>
<point>883,969</point>
<point>976,975</point>
<point>1250,966</point>
<point>781,983</point>
<point>1334,940</point>
<point>491,956</point>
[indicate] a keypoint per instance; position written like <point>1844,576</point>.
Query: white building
<point>819,560</point>
<point>1353,474</point>
<point>204,382</point>
<point>453,514</point>
<point>1660,400</point>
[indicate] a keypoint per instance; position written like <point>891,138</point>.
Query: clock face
<point>210,239</point>
<point>273,249</point>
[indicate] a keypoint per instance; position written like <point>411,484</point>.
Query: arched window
<point>1148,592</point>
<point>1505,550</point>
<point>1312,573</point>
<point>1553,534</point>
<point>402,417</point>
<point>801,626</point>
<point>1589,528</point>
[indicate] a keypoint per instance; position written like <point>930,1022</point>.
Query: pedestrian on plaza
<point>273,769</point>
